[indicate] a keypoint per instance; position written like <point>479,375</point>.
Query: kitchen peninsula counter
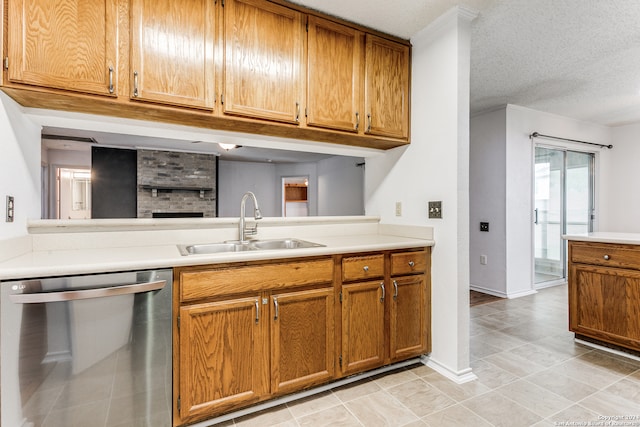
<point>55,248</point>
<point>604,288</point>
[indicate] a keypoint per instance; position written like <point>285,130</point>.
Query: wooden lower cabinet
<point>604,292</point>
<point>248,332</point>
<point>302,339</point>
<point>409,317</point>
<point>223,363</point>
<point>362,326</point>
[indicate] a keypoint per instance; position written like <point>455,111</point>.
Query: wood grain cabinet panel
<point>263,63</point>
<point>362,267</point>
<point>363,306</point>
<point>70,45</point>
<point>302,339</point>
<point>334,75</point>
<point>604,292</point>
<point>222,357</point>
<point>410,317</point>
<point>172,52</point>
<point>386,96</point>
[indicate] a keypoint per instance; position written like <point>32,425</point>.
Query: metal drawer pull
<point>395,290</point>
<point>357,120</point>
<point>606,257</point>
<point>275,305</point>
<point>257,311</point>
<point>365,268</point>
<point>369,122</point>
<point>382,286</point>
<point>411,263</point>
<point>79,294</point>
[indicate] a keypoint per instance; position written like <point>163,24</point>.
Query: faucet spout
<point>243,230</point>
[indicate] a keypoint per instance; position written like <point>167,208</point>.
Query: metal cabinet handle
<point>357,120</point>
<point>411,263</point>
<point>297,112</point>
<point>257,311</point>
<point>395,290</point>
<point>607,257</point>
<point>275,305</point>
<point>110,79</point>
<point>135,83</point>
<point>365,268</point>
<point>383,292</point>
<point>79,294</point>
<point>368,122</point>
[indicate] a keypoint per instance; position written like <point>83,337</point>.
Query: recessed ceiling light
<point>227,147</point>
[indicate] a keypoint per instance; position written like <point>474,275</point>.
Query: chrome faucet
<point>243,230</point>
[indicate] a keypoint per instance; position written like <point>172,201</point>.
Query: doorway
<point>295,200</point>
<point>563,204</point>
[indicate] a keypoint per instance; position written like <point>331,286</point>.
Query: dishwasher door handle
<point>74,295</point>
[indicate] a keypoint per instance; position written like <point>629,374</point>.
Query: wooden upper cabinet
<point>263,64</point>
<point>67,45</point>
<point>172,52</point>
<point>334,75</point>
<point>386,88</point>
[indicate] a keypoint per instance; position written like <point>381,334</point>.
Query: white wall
<point>435,167</point>
<point>619,195</point>
<point>516,160</point>
<point>19,167</point>
<point>487,187</point>
<point>340,186</point>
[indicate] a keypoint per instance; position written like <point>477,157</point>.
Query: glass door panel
<point>563,205</point>
<point>549,176</point>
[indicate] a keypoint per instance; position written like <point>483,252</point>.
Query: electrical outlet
<point>435,210</point>
<point>398,208</point>
<point>483,259</point>
<point>10,208</point>
<point>484,226</point>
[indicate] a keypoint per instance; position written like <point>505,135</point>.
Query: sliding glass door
<point>564,203</point>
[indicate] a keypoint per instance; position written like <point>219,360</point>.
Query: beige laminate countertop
<point>606,237</point>
<point>93,251</point>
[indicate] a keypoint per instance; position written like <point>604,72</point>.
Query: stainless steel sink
<point>283,244</point>
<point>214,248</point>
<point>252,245</point>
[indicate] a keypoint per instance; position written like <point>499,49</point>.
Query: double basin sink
<point>251,245</point>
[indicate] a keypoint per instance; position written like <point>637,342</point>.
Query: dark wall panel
<point>113,183</point>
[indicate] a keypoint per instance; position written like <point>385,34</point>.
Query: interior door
<point>564,204</point>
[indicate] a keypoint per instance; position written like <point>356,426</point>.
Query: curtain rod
<point>539,135</point>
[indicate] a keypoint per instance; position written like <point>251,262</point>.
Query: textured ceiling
<point>577,58</point>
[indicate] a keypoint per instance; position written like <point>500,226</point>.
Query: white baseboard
<point>488,291</point>
<point>459,377</point>
<point>522,294</point>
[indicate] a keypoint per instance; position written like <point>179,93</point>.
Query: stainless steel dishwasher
<point>92,350</point>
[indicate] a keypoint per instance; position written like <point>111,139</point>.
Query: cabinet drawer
<point>199,284</point>
<point>362,267</point>
<point>408,263</point>
<point>607,255</point>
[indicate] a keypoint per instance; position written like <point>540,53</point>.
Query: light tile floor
<point>530,373</point>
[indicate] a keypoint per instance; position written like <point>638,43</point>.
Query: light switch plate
<point>435,209</point>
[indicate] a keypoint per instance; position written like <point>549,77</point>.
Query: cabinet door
<point>172,48</point>
<point>386,88</point>
<point>263,60</point>
<point>362,326</point>
<point>302,340</point>
<point>223,362</point>
<point>604,303</point>
<point>410,317</point>
<point>334,58</point>
<point>66,45</point>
